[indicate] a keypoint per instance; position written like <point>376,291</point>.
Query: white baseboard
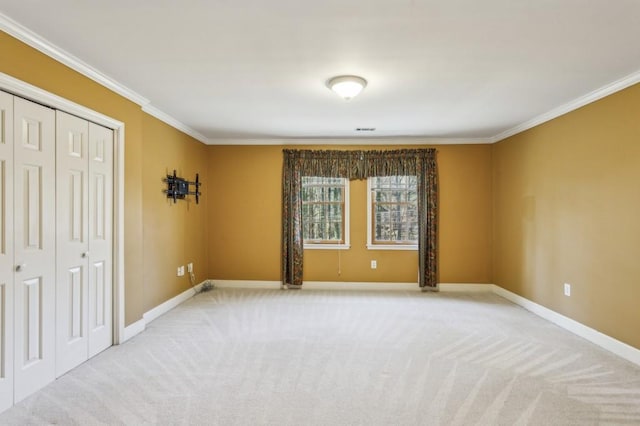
<point>170,304</point>
<point>466,287</point>
<point>344,285</point>
<point>133,329</point>
<point>140,325</point>
<point>318,285</point>
<point>273,285</point>
<point>340,285</point>
<point>606,342</point>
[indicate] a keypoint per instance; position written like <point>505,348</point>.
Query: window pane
<point>335,212</point>
<point>323,209</point>
<point>394,209</point>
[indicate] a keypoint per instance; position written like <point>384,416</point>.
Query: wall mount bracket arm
<point>178,188</point>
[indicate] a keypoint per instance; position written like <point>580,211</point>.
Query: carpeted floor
<point>270,357</point>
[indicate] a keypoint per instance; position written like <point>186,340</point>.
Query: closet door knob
<point>20,267</point>
<point>85,254</point>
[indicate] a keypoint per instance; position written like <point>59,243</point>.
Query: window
<point>392,213</point>
<point>325,212</point>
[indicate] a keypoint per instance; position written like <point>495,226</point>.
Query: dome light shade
<point>347,86</point>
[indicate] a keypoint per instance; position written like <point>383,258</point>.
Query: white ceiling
<point>440,70</point>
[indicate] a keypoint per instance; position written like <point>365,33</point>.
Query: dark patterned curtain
<point>359,165</point>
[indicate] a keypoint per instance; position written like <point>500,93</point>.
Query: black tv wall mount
<point>178,188</point>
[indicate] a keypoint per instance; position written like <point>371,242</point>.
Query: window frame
<point>328,245</point>
<point>371,245</point>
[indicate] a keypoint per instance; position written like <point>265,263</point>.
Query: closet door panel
<point>6,251</point>
<point>72,242</point>
<point>100,238</point>
<point>34,247</point>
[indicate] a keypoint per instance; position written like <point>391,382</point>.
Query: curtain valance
<point>358,164</point>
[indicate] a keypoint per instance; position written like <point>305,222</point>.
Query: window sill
<point>327,246</point>
<point>392,247</point>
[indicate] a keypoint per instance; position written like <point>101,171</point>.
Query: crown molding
<point>591,97</point>
<point>162,116</point>
<point>400,140</point>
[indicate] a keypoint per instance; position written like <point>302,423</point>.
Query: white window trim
<point>370,245</point>
<point>346,245</point>
<point>413,247</point>
<point>312,246</point>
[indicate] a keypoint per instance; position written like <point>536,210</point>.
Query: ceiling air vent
<point>365,129</point>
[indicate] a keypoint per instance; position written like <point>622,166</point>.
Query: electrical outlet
<point>374,264</point>
<point>567,289</point>
<point>181,271</point>
<point>190,267</point>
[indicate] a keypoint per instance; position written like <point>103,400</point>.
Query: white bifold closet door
<point>56,243</point>
<point>100,238</point>
<point>34,246</point>
<point>84,193</point>
<point>6,251</point>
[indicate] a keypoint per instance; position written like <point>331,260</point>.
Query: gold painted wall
<point>566,197</point>
<point>173,234</point>
<point>143,287</point>
<point>245,215</point>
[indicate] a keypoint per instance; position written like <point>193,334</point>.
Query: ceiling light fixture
<point>347,86</point>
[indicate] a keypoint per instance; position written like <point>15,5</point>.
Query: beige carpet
<point>270,357</point>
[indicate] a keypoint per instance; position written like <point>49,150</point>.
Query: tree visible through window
<point>394,210</point>
<point>324,210</point>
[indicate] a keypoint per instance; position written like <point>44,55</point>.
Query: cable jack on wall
<point>178,188</point>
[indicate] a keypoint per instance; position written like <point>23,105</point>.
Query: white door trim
<point>33,93</point>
